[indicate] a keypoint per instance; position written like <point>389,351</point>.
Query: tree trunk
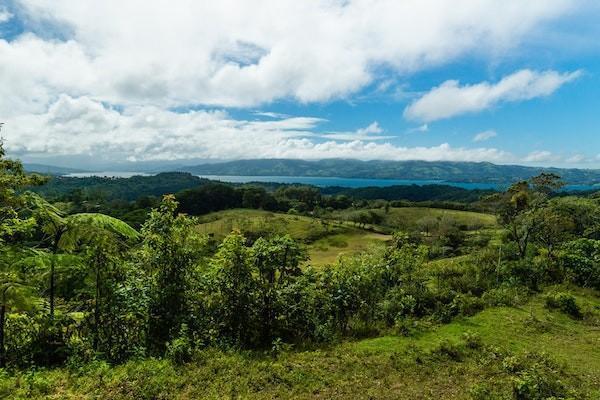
<point>2,349</point>
<point>52,285</point>
<point>97,310</point>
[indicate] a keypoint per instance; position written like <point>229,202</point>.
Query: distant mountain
<point>50,169</point>
<point>483,172</point>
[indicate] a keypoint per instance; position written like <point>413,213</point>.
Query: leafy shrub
<point>449,350</point>
<point>510,296</point>
<point>467,305</point>
<point>536,377</point>
<point>404,326</point>
<point>581,259</point>
<point>180,349</point>
<point>564,302</point>
<point>472,340</point>
<point>397,304</point>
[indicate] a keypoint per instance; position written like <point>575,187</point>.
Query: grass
<point>389,367</point>
<point>301,228</point>
<point>408,218</point>
<point>328,249</point>
<point>327,240</point>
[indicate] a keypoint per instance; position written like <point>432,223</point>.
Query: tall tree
<point>518,207</point>
<point>276,260</point>
<point>172,248</point>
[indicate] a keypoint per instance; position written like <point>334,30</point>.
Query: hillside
<point>50,169</point>
<point>495,354</point>
<point>417,170</point>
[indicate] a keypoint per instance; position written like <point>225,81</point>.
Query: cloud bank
<point>103,78</point>
<point>85,126</point>
<point>451,99</point>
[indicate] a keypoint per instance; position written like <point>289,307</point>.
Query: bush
<point>580,259</point>
<point>535,377</point>
<point>448,349</point>
<point>510,296</point>
<point>467,305</point>
<point>180,349</point>
<point>564,302</point>
<point>472,340</point>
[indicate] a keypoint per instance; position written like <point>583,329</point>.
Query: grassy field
<point>329,239</point>
<point>439,363</point>
<point>325,240</point>
<point>301,228</point>
<point>408,218</point>
<point>328,249</point>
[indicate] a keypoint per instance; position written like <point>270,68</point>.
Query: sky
<point>85,82</point>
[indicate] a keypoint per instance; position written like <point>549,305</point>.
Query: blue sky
<point>129,81</point>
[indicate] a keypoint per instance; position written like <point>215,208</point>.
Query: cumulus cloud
<point>239,53</point>
<point>485,135</point>
<point>5,15</point>
<point>451,99</point>
<point>371,132</point>
<point>104,77</point>
<point>74,126</point>
<point>576,159</point>
<point>541,156</point>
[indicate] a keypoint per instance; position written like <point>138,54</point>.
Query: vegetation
<point>203,303</point>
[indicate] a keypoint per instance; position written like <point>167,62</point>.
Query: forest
<point>141,296</point>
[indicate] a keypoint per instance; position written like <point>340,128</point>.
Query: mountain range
<point>481,172</point>
<point>449,171</point>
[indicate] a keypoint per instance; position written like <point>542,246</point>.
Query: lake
<point>366,182</point>
<point>329,181</point>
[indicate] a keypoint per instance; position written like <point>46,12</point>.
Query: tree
<point>235,289</point>
<point>553,229</point>
<point>277,261</point>
<point>67,232</point>
<point>105,238</point>
<point>12,204</point>
<point>14,295</point>
<point>518,207</point>
<point>171,250</point>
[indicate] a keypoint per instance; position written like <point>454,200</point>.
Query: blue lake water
<point>330,181</point>
<point>360,182</point>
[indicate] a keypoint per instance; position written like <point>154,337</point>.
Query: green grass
<point>301,228</point>
<point>326,240</point>
<point>389,367</point>
<point>406,218</point>
<point>328,249</point>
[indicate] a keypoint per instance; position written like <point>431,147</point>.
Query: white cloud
<point>75,126</point>
<point>576,159</point>
<point>146,58</point>
<point>240,53</point>
<point>5,15</point>
<point>451,99</point>
<point>541,156</point>
<point>371,132</point>
<point>421,129</point>
<point>485,135</point>
<point>269,114</point>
